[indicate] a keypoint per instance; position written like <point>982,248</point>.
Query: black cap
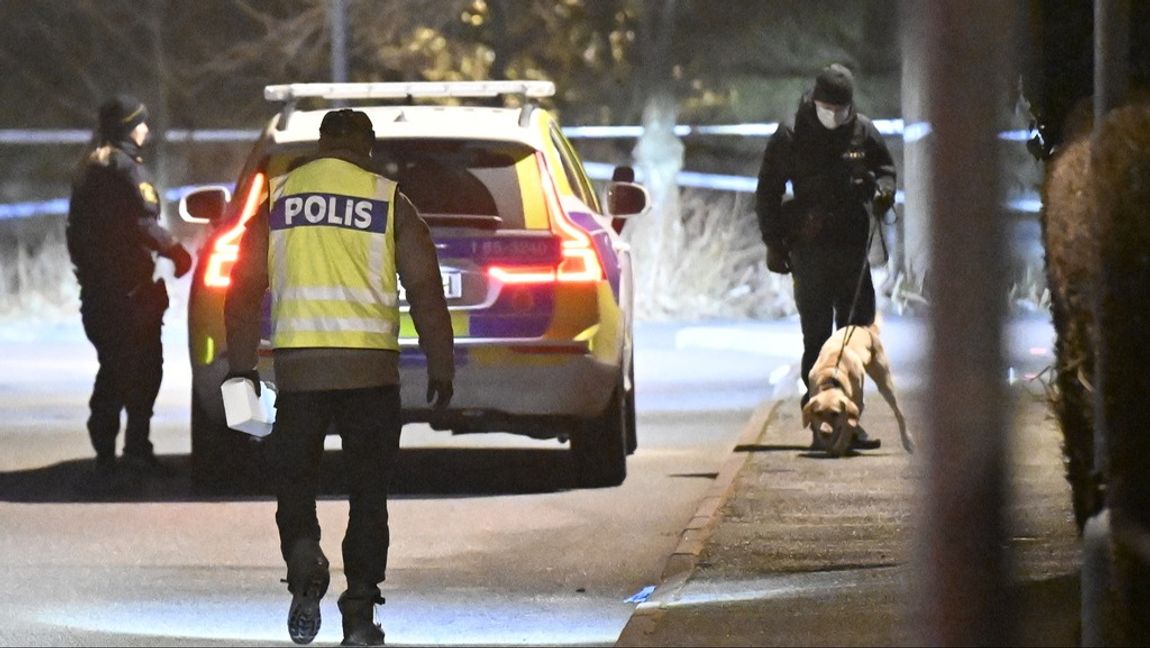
<point>346,122</point>
<point>119,115</point>
<point>834,85</point>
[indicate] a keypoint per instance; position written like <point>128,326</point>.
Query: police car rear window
<point>443,177</point>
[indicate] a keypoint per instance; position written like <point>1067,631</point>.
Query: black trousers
<point>825,282</point>
<point>126,334</point>
<point>368,422</point>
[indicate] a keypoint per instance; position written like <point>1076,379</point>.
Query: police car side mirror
<point>624,200</point>
<point>205,204</point>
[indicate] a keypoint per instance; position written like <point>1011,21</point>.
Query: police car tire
<point>629,412</point>
<point>600,445</point>
<point>222,459</point>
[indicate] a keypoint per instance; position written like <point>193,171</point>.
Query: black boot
<point>862,441</point>
<point>357,605</point>
<point>816,443</point>
<point>307,580</point>
<point>105,466</point>
<point>147,464</point>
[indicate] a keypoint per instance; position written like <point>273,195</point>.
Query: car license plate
<point>452,285</point>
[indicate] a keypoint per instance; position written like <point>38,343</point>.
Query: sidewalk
<point>791,548</point>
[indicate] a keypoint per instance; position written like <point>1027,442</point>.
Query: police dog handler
<point>113,235</point>
<point>335,327</point>
<point>841,172</point>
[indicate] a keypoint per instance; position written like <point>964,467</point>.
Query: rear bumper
<point>520,378</point>
<point>496,381</point>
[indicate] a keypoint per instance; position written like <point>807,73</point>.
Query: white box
<point>246,412</point>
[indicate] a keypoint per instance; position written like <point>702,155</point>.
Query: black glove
<point>441,388</point>
<point>883,202</point>
<point>863,184</point>
<point>179,256</point>
<point>250,375</point>
<point>778,259</point>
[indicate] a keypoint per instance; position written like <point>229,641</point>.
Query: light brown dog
<point>836,386</point>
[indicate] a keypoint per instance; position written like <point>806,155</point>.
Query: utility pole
<point>337,19</point>
<point>159,118</point>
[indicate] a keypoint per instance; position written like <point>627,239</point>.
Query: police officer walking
<point>841,173</point>
<point>113,235</point>
<point>336,353</point>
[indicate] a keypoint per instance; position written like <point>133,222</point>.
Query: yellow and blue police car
<point>537,279</point>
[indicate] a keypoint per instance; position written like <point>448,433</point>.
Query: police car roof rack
<point>291,93</point>
<point>525,113</point>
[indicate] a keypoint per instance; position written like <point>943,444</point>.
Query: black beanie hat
<point>834,85</point>
<point>346,123</point>
<point>119,115</point>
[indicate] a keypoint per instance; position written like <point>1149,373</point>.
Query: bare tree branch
<point>44,92</point>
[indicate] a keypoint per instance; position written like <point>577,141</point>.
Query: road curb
<point>683,560</point>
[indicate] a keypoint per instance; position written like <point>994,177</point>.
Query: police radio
<point>862,179</point>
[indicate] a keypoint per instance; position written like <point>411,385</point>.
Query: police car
<point>537,278</point>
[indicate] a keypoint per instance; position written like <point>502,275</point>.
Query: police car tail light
<point>579,262</point>
<point>226,248</point>
<point>522,275</point>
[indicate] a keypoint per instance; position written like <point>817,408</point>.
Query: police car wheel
<point>599,445</point>
<point>222,459</point>
<point>629,413</point>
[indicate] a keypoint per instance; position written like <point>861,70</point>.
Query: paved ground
<point>508,553</point>
<point>493,544</point>
<point>813,551</point>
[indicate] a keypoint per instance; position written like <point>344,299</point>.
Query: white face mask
<point>830,118</point>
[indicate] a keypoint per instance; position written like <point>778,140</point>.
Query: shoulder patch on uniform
<point>148,192</point>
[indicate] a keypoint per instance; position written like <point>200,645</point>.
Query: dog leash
<point>858,290</point>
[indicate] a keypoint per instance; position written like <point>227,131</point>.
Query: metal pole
<point>1111,51</point>
<point>961,563</point>
<point>1111,54</point>
<point>159,117</point>
<point>337,18</point>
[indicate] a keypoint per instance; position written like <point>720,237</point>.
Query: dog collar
<point>830,383</point>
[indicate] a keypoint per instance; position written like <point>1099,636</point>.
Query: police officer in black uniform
<point>841,173</point>
<point>113,236</point>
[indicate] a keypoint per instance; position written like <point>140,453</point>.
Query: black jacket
<point>113,224</point>
<point>834,173</point>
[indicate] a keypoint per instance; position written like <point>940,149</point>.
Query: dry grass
<point>709,263</point>
<point>36,280</point>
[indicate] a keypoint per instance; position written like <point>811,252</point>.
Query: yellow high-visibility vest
<point>331,258</point>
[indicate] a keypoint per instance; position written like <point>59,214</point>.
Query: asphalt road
<point>492,542</point>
